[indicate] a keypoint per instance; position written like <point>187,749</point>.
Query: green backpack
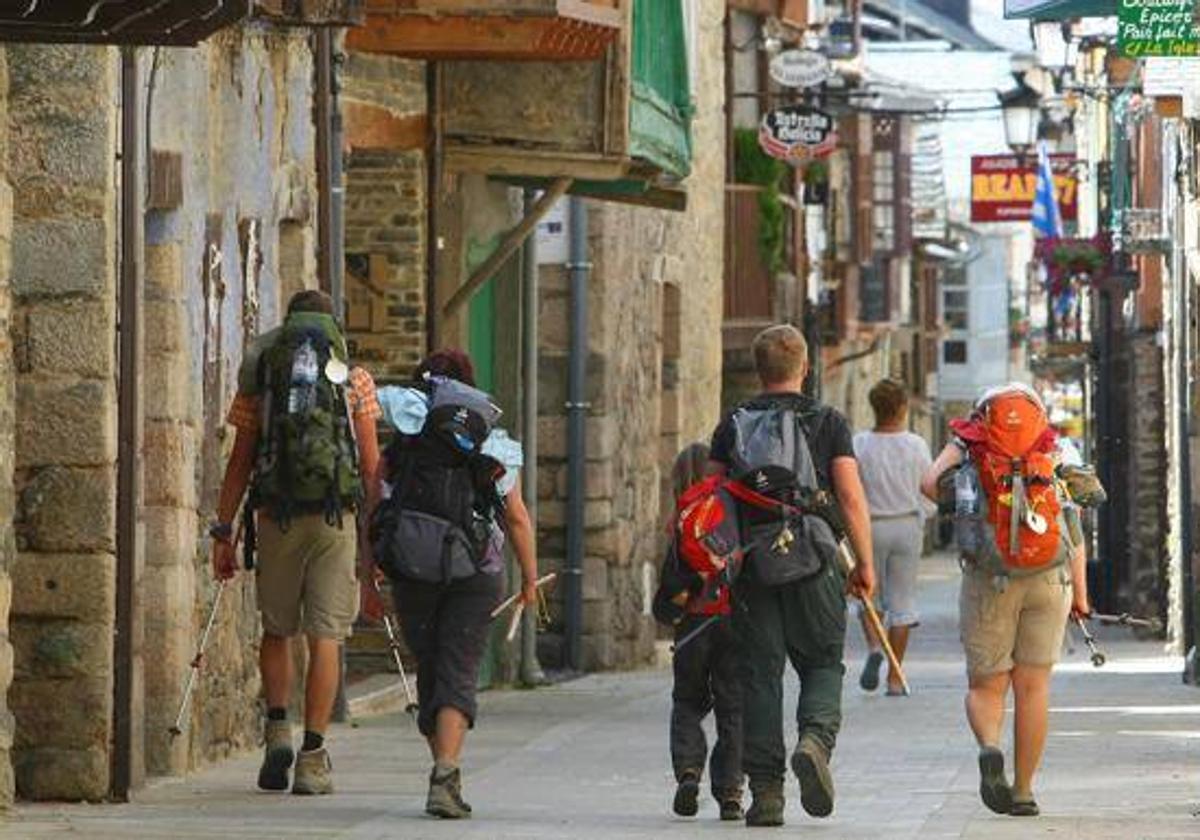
<point>307,455</point>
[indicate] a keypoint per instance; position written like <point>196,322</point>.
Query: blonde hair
<point>780,354</point>
<point>689,467</point>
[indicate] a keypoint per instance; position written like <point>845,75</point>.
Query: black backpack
<point>440,522</point>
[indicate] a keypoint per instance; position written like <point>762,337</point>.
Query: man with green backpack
<point>307,451</point>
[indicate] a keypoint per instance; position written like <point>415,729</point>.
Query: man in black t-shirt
<point>803,621</point>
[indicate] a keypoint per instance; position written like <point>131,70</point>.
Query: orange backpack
<point>1011,442</point>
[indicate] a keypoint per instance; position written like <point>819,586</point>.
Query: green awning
<point>660,118</point>
<point>1051,10</point>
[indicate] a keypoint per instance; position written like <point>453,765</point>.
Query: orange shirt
<point>364,402</point>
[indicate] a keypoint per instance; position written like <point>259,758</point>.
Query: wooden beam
<point>531,163</point>
<point>508,246</point>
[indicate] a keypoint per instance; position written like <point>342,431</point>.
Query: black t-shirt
<point>829,433</point>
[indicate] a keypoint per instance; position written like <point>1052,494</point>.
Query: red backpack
<point>1010,444</point>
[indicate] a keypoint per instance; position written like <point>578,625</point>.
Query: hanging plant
<point>753,166</point>
<point>1067,260</point>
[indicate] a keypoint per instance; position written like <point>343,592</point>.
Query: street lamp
<point>1021,107</point>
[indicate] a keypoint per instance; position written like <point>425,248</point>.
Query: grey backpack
<point>768,440</point>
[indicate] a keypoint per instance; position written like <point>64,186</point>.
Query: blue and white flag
<point>1047,219</point>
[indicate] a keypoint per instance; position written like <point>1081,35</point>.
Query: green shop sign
<point>1157,28</point>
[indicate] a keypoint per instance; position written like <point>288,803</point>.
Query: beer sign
<point>797,133</point>
<point>800,68</point>
<point>1003,186</point>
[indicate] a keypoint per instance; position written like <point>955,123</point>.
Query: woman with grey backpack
<point>453,500</point>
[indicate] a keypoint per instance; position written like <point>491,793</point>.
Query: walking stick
<point>692,636</point>
<point>177,729</point>
<point>1098,657</point>
<point>512,599</point>
<point>846,555</point>
<point>411,708</point>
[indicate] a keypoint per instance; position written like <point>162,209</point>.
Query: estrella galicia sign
<point>796,133</point>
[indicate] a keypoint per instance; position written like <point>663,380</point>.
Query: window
<point>883,202</point>
<point>954,352</point>
<point>873,303</point>
<point>956,300</point>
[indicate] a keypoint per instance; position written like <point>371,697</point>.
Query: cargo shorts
<point>1023,624</point>
<point>306,577</point>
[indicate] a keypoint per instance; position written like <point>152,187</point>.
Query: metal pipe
<point>337,188</point>
<point>579,268</point>
<point>322,105</point>
<point>127,746</point>
<point>433,179</point>
<point>531,669</point>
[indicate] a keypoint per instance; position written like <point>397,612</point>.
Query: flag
<point>1047,220</point>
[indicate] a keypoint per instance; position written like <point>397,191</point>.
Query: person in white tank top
<point>892,461</point>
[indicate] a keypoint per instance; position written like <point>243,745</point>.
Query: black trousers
<point>446,627</point>
<point>707,679</point>
<point>804,623</point>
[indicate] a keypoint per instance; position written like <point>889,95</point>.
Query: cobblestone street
<point>588,759</point>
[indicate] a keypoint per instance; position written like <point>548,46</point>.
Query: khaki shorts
<point>1023,625</point>
<point>306,577</point>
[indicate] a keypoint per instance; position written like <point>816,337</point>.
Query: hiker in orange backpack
<point>1023,573</point>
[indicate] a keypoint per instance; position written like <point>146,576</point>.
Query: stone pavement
<point>588,759</point>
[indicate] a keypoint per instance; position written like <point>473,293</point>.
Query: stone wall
<point>654,380</point>
<point>7,442</point>
<point>384,102</point>
<point>62,120</point>
<point>1143,589</point>
<point>220,266</point>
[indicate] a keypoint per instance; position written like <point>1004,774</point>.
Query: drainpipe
<point>579,268</point>
<point>531,669</point>
<point>330,192</point>
<point>126,740</point>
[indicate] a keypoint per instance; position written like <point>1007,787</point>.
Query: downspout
<point>579,268</point>
<point>330,192</point>
<point>531,670</point>
<point>126,769</point>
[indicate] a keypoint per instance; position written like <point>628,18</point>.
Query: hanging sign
<point>800,68</point>
<point>1156,28</point>
<point>1003,186</point>
<point>797,133</point>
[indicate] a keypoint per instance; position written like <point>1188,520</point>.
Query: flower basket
<point>1074,260</point>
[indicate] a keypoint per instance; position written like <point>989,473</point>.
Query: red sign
<point>1002,187</point>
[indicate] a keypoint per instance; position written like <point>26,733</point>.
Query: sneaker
<point>445,796</point>
<point>277,755</point>
<point>766,806</point>
<point>869,681</point>
<point>993,787</point>
<point>810,763</point>
<point>314,773</point>
<point>687,794</point>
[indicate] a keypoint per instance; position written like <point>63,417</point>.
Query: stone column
<point>62,125</point>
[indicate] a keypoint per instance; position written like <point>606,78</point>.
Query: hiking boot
<point>731,806</point>
<point>810,763</point>
<point>1023,808</point>
<point>277,755</point>
<point>687,794</point>
<point>993,787</point>
<point>314,773</point>
<point>766,806</point>
<point>869,680</point>
<point>445,796</point>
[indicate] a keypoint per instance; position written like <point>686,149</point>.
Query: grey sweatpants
<point>897,542</point>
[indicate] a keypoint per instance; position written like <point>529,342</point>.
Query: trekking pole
<point>695,634</point>
<point>411,708</point>
<point>1098,657</point>
<point>512,599</point>
<point>846,555</point>
<point>1127,620</point>
<point>177,729</point>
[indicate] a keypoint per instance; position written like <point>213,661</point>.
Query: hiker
<point>893,461</point>
<point>695,601</point>
<point>789,603</point>
<point>1024,572</point>
<point>454,497</point>
<point>306,447</point>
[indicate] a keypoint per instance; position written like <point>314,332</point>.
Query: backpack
<point>772,460</point>
<point>440,521</point>
<point>1009,507</point>
<point>307,458</point>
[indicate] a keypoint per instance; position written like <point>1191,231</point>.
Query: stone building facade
<point>7,441</point>
<point>230,233</point>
